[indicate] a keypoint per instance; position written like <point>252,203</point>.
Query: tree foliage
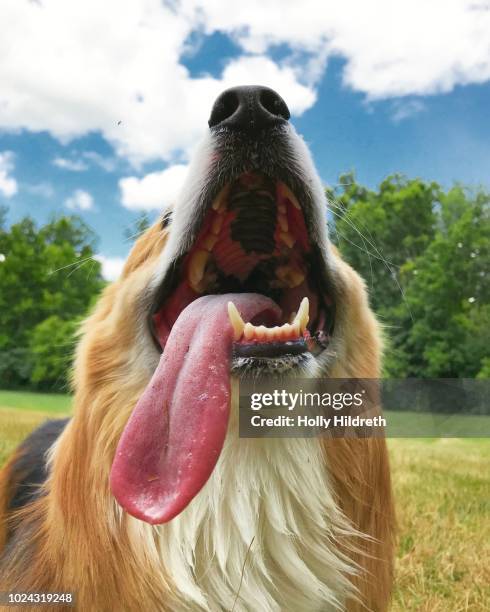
<point>424,254</point>
<point>46,272</point>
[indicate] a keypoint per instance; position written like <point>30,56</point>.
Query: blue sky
<point>94,136</point>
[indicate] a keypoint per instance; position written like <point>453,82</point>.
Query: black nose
<point>248,109</point>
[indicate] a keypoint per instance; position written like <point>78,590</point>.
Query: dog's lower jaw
<point>264,530</point>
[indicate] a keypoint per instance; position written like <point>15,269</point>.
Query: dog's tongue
<point>174,437</point>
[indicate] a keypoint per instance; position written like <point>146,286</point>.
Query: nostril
<point>274,104</point>
<point>249,109</point>
<point>225,107</point>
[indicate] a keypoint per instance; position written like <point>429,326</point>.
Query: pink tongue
<point>175,434</point>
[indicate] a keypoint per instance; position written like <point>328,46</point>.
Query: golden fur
<point>71,539</point>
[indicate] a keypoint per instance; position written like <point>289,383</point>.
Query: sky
<point>103,103</point>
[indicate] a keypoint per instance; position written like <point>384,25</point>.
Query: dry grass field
<point>442,489</point>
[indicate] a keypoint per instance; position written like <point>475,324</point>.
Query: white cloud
<point>8,185</point>
<point>74,165</point>
<point>43,189</point>
<point>114,67</point>
<point>106,163</point>
<point>249,70</point>
<point>80,200</point>
<point>405,108</point>
<point>111,266</point>
<point>392,47</point>
<point>155,190</point>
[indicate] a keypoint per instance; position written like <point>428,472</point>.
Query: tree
<point>44,272</point>
<point>448,293</point>
<point>424,254</point>
<point>51,350</point>
<point>377,232</point>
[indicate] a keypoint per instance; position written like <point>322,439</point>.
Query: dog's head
<point>238,278</point>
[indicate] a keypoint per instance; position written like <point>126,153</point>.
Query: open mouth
<point>243,287</point>
<point>254,239</point>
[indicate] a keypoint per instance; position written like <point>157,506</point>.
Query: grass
<point>442,492</point>
<point>409,424</point>
<point>22,411</point>
<point>41,402</point>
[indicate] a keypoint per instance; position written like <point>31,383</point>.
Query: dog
<point>147,498</point>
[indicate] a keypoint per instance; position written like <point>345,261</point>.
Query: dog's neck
<point>265,526</point>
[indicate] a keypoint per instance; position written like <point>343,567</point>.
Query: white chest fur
<point>275,492</point>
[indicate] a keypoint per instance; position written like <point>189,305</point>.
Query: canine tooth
<point>286,192</point>
<point>217,224</point>
<point>210,241</point>
<point>197,265</point>
<point>249,331</point>
<point>236,321</point>
<point>303,314</point>
<point>283,222</point>
<point>219,203</point>
<point>292,317</point>
<point>287,238</point>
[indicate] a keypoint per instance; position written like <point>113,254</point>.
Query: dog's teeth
<point>292,316</point>
<point>236,321</point>
<point>249,331</point>
<point>291,276</point>
<point>283,332</point>
<point>196,269</point>
<point>288,331</point>
<point>283,222</point>
<point>287,238</point>
<point>261,332</point>
<point>209,242</point>
<point>217,224</point>
<point>285,192</point>
<point>296,278</point>
<point>219,203</point>
<point>276,332</point>
<point>303,315</point>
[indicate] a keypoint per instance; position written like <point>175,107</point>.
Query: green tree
<point>51,349</point>
<point>448,293</point>
<point>378,231</point>
<point>44,271</point>
<point>424,254</point>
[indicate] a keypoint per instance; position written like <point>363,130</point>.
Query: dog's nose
<point>248,109</point>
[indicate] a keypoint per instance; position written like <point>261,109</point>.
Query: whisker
<point>391,267</point>
<point>70,265</point>
<point>82,263</point>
